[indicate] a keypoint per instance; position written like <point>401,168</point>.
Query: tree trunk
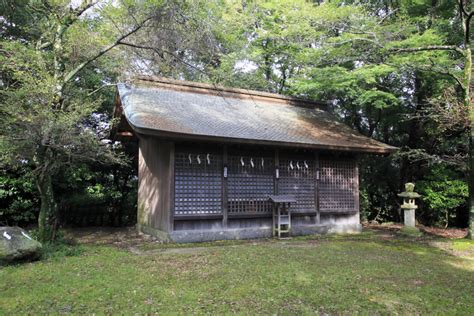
<point>47,214</point>
<point>467,102</point>
<point>471,177</point>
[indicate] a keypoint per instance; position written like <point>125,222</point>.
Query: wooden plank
<point>155,179</point>
<point>197,217</point>
<point>250,215</point>
<point>343,212</point>
<point>218,139</point>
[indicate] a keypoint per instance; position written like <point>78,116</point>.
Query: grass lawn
<point>367,273</point>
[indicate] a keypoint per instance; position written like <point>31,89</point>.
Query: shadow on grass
<point>370,273</point>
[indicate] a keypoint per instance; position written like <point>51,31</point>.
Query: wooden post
<point>317,176</point>
<point>279,224</point>
<point>277,167</point>
<point>289,218</point>
<point>356,183</point>
<point>225,169</point>
<point>172,187</point>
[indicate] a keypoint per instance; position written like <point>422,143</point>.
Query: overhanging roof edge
<point>123,91</point>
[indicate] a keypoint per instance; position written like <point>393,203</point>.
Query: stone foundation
<point>184,236</point>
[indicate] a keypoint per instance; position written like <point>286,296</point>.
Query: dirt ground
<point>122,237</point>
<point>433,231</point>
<point>128,238</point>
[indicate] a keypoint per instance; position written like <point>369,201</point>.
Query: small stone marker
<point>409,205</point>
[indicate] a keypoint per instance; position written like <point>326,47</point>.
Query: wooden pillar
<point>173,187</point>
<point>224,174</point>
<point>317,176</point>
<point>356,183</point>
<point>277,167</point>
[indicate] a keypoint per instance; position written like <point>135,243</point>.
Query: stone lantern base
<point>409,223</point>
<point>411,231</point>
<point>409,217</point>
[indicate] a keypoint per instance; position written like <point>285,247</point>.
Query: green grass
<point>334,275</point>
<point>463,244</point>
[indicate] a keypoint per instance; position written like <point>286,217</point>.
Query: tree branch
<point>73,15</point>
<point>387,16</point>
<point>428,48</point>
<point>361,39</point>
<point>433,70</point>
<point>467,36</point>
<point>117,42</point>
<point>462,9</point>
<point>465,17</point>
<point>77,12</point>
<point>101,87</point>
<point>160,52</point>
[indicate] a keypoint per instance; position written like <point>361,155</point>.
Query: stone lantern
<point>409,205</point>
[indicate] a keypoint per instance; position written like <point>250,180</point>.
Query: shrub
<point>444,196</point>
<point>18,198</point>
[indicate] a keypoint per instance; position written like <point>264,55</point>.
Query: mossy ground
<point>370,273</point>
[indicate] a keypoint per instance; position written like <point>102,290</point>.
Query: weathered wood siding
<point>155,184</point>
<point>205,199</point>
<point>338,186</point>
<point>298,179</point>
<point>198,183</point>
<point>250,182</point>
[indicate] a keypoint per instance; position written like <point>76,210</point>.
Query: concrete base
<point>213,235</point>
<point>161,235</point>
<point>184,236</point>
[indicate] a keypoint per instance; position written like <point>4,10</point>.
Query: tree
<point>391,69</point>
<point>45,107</point>
<point>461,48</point>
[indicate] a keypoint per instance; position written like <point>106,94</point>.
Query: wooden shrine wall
<point>298,179</point>
<point>198,183</point>
<point>250,182</point>
<point>338,186</point>
<point>202,189</point>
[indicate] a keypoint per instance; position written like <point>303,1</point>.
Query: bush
<point>444,197</point>
<point>60,248</point>
<point>18,198</point>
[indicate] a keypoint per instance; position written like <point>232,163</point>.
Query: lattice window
<point>338,186</point>
<point>297,178</point>
<point>198,185</point>
<point>249,186</point>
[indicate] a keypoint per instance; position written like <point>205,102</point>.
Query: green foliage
<point>110,191</point>
<point>443,194</point>
<point>51,68</point>
<point>345,53</point>
<point>59,250</point>
<point>18,198</point>
<point>341,52</point>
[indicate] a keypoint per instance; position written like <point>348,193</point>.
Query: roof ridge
<point>238,91</point>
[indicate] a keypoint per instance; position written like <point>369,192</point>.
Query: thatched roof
<point>194,111</point>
